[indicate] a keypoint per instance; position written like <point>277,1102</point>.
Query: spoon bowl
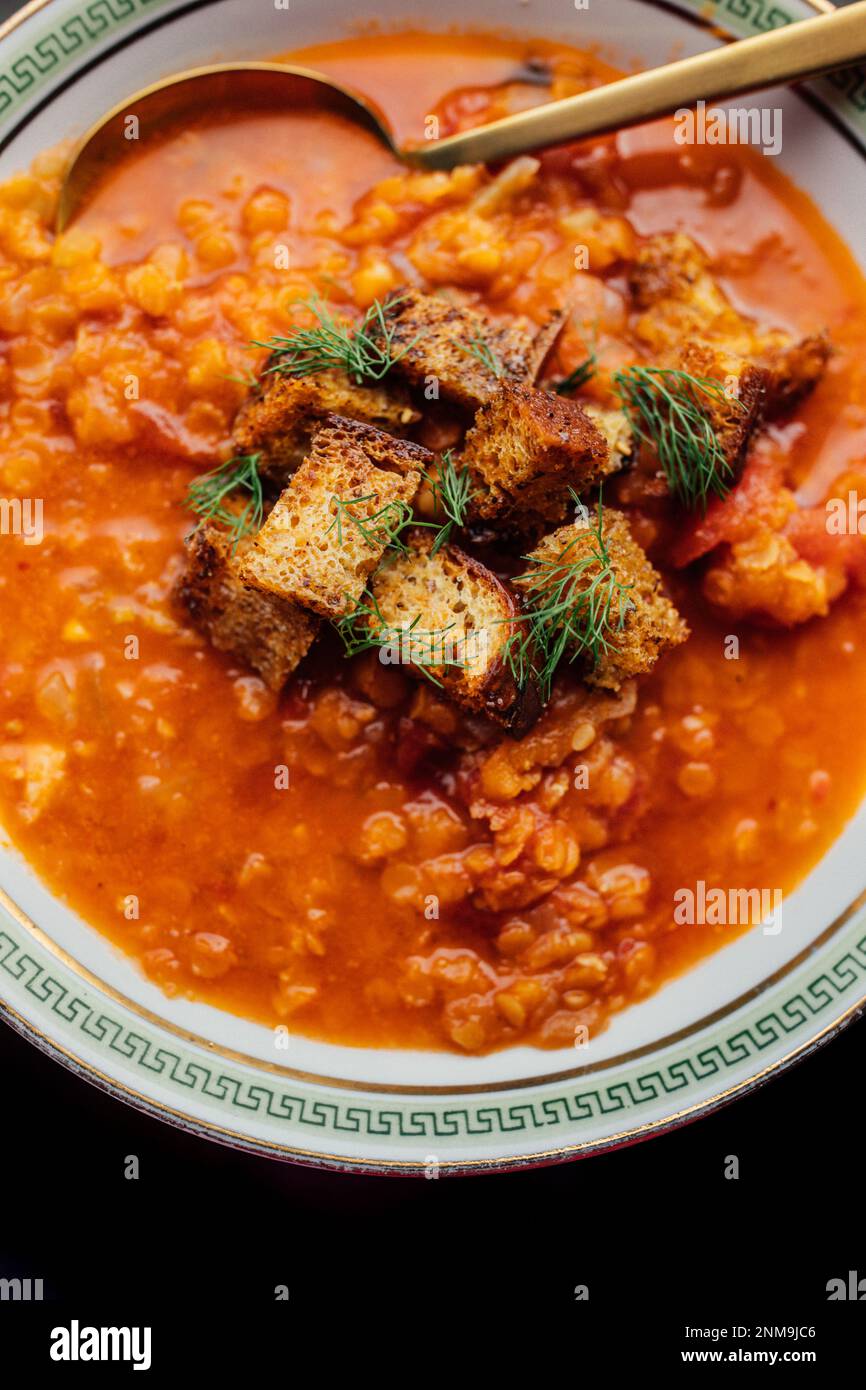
<point>788,54</point>
<point>185,97</point>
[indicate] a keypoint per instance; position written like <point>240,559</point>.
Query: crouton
<point>617,431</point>
<point>466,352</point>
<point>794,371</point>
<point>639,628</point>
<point>670,276</point>
<point>279,420</point>
<point>269,634</point>
<point>525,450</point>
<point>329,529</point>
<point>733,417</point>
<point>451,618</point>
<point>683,309</point>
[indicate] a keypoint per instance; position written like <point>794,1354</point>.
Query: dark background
<point>197,1245</point>
<point>656,1231</point>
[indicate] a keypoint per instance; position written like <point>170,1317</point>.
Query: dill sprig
<point>574,601</point>
<point>582,373</point>
<point>665,410</point>
<point>249,379</point>
<point>382,527</point>
<point>452,492</point>
<point>364,351</point>
<point>481,350</point>
<point>364,629</point>
<point>207,496</point>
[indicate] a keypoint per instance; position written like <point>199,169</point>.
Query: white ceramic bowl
<point>742,1014</point>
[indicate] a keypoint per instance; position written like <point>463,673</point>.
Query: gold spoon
<point>797,51</point>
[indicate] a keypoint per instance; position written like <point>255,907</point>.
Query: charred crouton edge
<point>526,449</point>
<point>463,350</point>
<point>687,321</point>
<point>318,553</point>
<point>278,422</point>
<point>544,340</point>
<point>450,605</point>
<point>651,624</point>
<point>269,634</point>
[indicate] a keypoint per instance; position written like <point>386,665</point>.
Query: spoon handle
<point>796,51</point>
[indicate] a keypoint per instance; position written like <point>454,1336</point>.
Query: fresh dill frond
<point>573,602</point>
<point>364,629</point>
<point>382,527</point>
<point>364,351</point>
<point>452,491</point>
<point>582,373</point>
<point>665,410</point>
<point>481,350</point>
<point>207,496</point>
<point>250,380</point>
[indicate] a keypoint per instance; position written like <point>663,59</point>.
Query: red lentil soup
<point>137,764</point>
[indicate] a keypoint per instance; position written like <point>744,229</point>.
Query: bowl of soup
<point>432,601</point>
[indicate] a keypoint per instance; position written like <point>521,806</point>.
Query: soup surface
<point>352,858</point>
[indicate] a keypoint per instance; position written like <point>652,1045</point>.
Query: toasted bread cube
<point>795,370</point>
<point>463,350</point>
<point>329,529</point>
<point>685,310</point>
<point>643,622</point>
<point>270,634</point>
<point>670,276</point>
<point>525,450</point>
<point>733,418</point>
<point>280,419</point>
<point>451,618</point>
<point>387,452</point>
<point>617,431</point>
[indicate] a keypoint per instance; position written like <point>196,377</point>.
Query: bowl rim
<point>33,7</point>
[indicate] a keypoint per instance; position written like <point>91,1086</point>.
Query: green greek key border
<point>774,1026</point>
<point>62,43</point>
